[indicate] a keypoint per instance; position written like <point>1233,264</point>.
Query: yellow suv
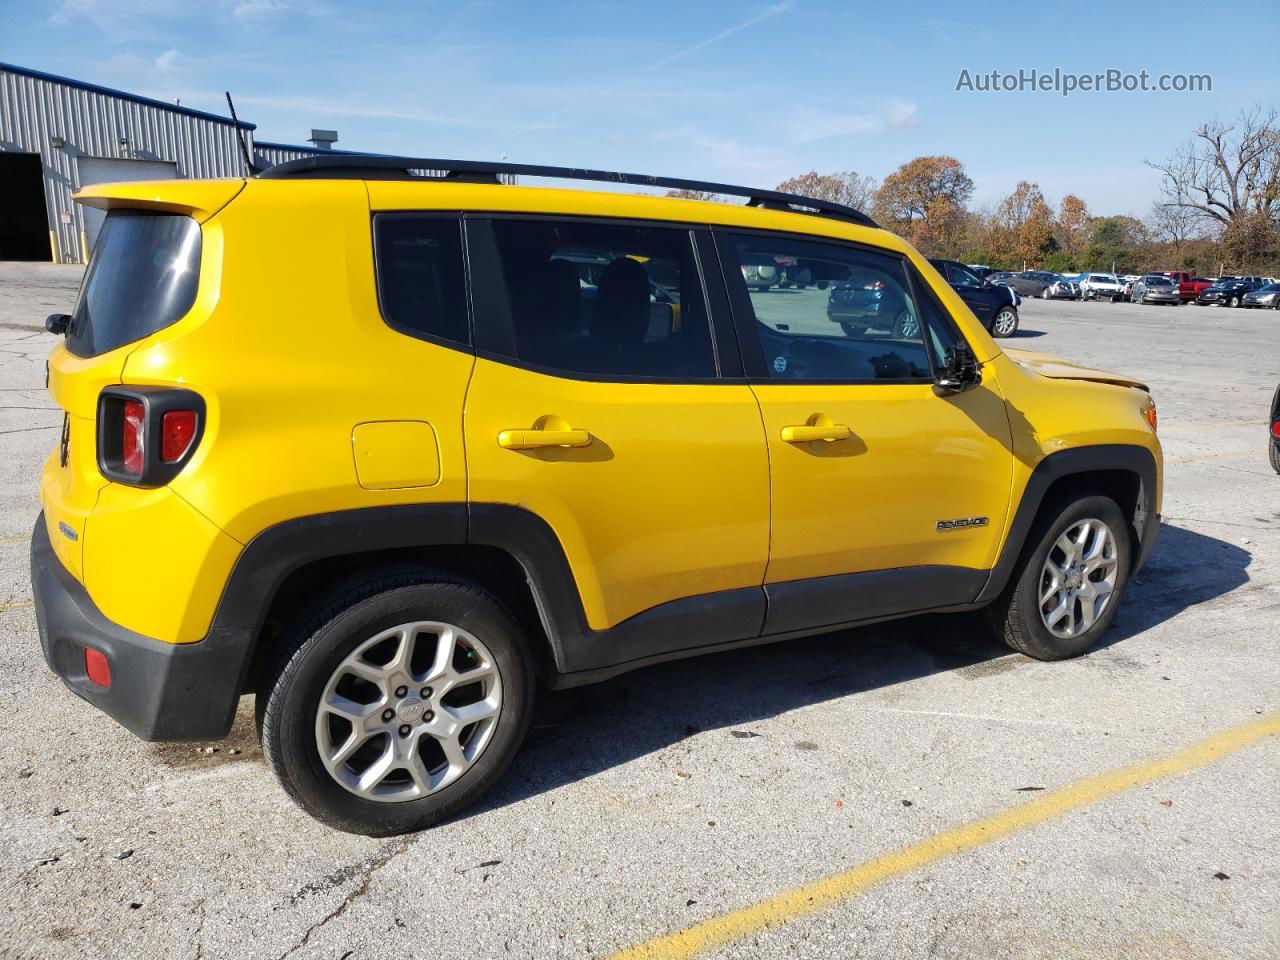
<point>386,448</point>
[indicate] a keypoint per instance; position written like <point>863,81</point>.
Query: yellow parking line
<point>17,605</point>
<point>20,537</point>
<point>814,896</point>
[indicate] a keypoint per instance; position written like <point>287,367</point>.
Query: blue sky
<point>748,93</point>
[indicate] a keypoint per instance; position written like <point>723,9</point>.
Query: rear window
<point>421,278</point>
<point>141,278</point>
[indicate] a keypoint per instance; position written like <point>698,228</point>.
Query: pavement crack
<point>371,866</point>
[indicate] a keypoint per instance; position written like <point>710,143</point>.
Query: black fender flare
<point>1076,461</point>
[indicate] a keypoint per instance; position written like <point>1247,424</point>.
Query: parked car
<point>1273,447</point>
<point>1033,283</point>
<point>1063,288</point>
<point>1268,296</point>
<point>1189,287</point>
<point>1155,288</point>
<point>1002,278</point>
<point>1228,293</point>
<point>761,276</point>
<point>590,484</point>
<point>864,302</point>
<point>981,270</point>
<point>1100,286</point>
<point>996,306</point>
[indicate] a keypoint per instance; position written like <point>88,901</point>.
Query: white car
<point>1095,286</point>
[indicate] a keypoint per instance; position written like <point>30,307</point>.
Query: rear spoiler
<point>199,199</point>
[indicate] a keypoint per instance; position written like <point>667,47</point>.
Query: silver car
<point>1268,296</point>
<point>1154,288</point>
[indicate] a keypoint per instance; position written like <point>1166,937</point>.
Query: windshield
<point>141,278</point>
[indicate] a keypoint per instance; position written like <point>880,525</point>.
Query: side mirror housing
<point>56,323</point>
<point>959,372</point>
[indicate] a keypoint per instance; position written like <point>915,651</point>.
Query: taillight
<point>1275,428</point>
<point>147,434</point>
<point>132,439</point>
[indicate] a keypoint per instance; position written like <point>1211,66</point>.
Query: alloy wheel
<point>408,711</point>
<point>1078,579</point>
<point>1005,322</point>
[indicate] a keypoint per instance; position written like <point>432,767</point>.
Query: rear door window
<point>141,278</point>
<point>605,300</point>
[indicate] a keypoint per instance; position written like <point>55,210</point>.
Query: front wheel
<point>906,327</point>
<point>1005,323</point>
<point>1233,301</point>
<point>1068,583</point>
<point>1045,295</point>
<point>398,705</point>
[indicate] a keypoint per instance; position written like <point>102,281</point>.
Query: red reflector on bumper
<point>95,664</point>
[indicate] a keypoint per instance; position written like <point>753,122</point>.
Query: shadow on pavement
<point>577,733</point>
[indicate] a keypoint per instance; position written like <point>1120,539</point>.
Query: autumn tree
<point>1023,225</point>
<point>1073,226</point>
<point>924,201</point>
<point>847,188</point>
<point>1250,242</point>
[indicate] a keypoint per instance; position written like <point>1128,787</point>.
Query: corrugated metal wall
<point>92,123</point>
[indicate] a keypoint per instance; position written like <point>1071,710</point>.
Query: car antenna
<point>244,146</point>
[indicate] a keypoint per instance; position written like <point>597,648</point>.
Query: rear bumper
<point>159,691</point>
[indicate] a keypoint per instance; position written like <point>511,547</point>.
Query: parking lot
<point>908,790</point>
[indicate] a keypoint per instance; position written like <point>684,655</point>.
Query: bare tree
<point>847,188</point>
<point>1175,225</point>
<point>694,195</point>
<point>1226,169</point>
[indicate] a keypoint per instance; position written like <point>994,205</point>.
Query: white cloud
<point>249,12</point>
<point>903,113</point>
<point>811,124</point>
<point>166,60</point>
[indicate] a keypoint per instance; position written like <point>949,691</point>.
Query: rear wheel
<point>853,329</point>
<point>906,327</point>
<point>1064,593</point>
<point>398,705</point>
<point>1233,301</point>
<point>1273,449</point>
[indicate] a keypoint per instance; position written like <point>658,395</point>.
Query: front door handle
<point>807,433</point>
<point>532,439</point>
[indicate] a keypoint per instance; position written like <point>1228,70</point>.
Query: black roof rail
<point>372,167</point>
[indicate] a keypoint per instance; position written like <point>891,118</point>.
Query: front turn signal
<point>1149,414</point>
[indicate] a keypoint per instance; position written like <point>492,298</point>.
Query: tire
<point>905,327</point>
<point>312,656</point>
<point>1233,301</point>
<point>853,329</point>
<point>1005,322</point>
<point>1273,452</point>
<point>1044,294</point>
<point>1016,618</point>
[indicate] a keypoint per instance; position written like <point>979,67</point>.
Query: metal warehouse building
<point>58,134</point>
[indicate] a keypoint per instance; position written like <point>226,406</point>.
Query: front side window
<point>855,318</point>
<point>961,277</point>
<point>421,279</point>
<point>605,300</point>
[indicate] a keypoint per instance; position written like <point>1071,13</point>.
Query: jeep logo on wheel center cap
<point>410,711</point>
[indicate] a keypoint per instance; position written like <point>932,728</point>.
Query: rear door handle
<point>532,439</point>
<point>807,433</point>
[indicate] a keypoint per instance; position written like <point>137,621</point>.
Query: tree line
<point>1217,211</point>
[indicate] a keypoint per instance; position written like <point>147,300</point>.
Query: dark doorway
<point>24,223</point>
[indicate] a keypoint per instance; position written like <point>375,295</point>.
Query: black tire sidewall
<point>290,712</point>
<point>1037,640</point>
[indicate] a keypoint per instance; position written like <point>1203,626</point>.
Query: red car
<point>1189,287</point>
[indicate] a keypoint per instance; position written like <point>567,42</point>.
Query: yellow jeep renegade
<point>384,448</point>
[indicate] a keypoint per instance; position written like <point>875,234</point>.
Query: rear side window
<point>605,300</point>
<point>141,278</point>
<point>421,279</point>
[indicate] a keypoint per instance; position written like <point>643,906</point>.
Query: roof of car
<point>473,171</point>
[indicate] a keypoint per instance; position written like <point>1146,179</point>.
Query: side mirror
<point>56,323</point>
<point>959,372</point>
